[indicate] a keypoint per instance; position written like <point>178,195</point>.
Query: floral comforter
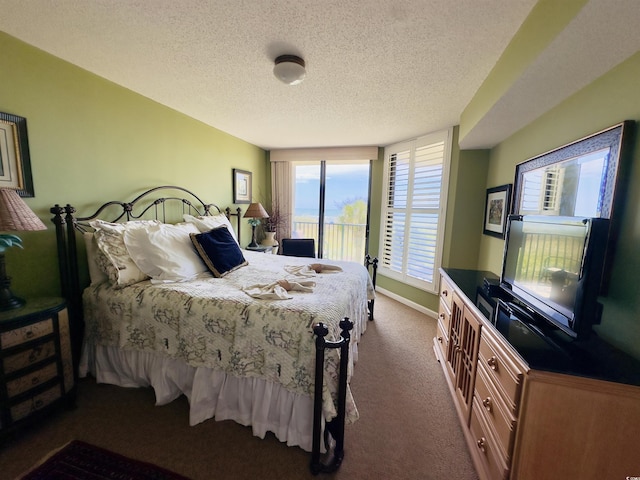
<point>212,322</point>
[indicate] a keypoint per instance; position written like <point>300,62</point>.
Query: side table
<point>36,367</point>
<point>261,248</point>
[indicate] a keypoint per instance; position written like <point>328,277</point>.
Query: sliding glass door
<point>331,205</point>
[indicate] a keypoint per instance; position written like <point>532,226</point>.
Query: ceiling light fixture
<point>289,69</point>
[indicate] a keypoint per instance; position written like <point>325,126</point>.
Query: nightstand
<point>36,367</point>
<point>261,248</point>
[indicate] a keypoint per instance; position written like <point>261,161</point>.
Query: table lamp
<point>255,212</point>
<point>15,216</point>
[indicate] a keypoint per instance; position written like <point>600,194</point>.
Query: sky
<point>343,183</point>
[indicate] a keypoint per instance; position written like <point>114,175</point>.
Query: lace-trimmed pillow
<point>116,263</point>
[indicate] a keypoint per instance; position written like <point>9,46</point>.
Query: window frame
<point>445,136</point>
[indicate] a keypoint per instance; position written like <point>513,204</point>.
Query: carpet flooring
<point>408,428</point>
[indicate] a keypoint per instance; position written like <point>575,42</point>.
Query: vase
<point>269,239</point>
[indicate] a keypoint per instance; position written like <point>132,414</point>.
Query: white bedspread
<point>233,356</point>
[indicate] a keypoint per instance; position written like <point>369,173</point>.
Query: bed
<point>243,338</point>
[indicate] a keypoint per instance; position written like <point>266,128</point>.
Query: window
<point>331,205</point>
<point>413,210</point>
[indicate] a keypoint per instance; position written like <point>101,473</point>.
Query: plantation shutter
<point>413,213</point>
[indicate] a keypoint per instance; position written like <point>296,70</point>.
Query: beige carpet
<point>408,428</point>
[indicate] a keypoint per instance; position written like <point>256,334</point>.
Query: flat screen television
<point>553,265</point>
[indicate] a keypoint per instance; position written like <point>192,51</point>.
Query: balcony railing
<point>342,241</point>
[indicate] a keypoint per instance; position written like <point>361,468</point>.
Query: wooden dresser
<point>36,368</point>
<point>523,422</point>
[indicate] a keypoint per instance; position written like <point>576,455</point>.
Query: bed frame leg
<point>373,263</point>
<point>334,428</point>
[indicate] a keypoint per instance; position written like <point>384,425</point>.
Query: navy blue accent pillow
<point>218,250</point>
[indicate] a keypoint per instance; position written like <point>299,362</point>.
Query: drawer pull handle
<point>481,444</point>
<point>441,316</point>
<point>487,404</point>
<point>35,381</point>
<point>440,339</point>
<point>493,363</point>
<point>445,293</point>
<point>28,334</point>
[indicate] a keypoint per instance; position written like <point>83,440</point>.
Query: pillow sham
<point>218,250</point>
<point>96,274</point>
<point>117,264</point>
<point>208,222</point>
<point>165,253</point>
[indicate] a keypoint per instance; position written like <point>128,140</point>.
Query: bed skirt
<point>255,402</point>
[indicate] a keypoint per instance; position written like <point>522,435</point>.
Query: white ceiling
<point>378,71</point>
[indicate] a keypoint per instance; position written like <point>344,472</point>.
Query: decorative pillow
<point>165,252</point>
<point>117,264</point>
<point>219,251</point>
<point>96,275</point>
<point>209,222</point>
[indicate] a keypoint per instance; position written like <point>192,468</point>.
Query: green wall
<point>607,101</point>
<point>92,141</point>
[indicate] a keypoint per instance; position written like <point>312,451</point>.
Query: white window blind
<point>416,175</point>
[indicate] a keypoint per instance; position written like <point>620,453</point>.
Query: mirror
<point>585,178</point>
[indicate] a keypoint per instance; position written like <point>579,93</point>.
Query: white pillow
<point>116,263</point>
<point>165,252</point>
<point>209,222</point>
<point>96,275</point>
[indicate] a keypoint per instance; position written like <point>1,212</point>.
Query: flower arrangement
<point>274,221</point>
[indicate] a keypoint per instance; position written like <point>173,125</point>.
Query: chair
<point>298,247</point>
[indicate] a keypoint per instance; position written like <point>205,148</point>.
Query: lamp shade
<point>15,215</point>
<point>289,69</point>
<point>256,210</point>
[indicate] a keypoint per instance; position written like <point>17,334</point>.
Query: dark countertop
<point>544,347</point>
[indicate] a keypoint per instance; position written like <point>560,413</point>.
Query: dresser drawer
<point>446,292</point>
<point>485,445</point>
<point>32,355</point>
<point>37,402</point>
<point>24,334</point>
<point>444,316</point>
<point>442,338</point>
<point>31,380</point>
<point>495,411</point>
<point>505,374</point>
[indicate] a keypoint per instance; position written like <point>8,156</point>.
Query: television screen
<point>554,265</point>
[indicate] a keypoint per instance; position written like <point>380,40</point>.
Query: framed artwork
<point>241,186</point>
<point>496,210</point>
<point>15,162</point>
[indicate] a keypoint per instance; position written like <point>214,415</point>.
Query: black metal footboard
<point>334,428</point>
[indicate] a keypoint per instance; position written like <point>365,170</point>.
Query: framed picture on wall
<point>15,162</point>
<point>241,186</point>
<point>497,205</point>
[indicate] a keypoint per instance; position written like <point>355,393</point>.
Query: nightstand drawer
<point>23,359</point>
<point>35,403</point>
<point>24,334</point>
<point>31,380</point>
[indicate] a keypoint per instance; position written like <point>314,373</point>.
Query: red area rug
<point>81,461</point>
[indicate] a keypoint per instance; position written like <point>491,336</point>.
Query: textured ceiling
<point>377,71</point>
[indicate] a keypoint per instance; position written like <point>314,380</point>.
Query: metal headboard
<point>151,204</point>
